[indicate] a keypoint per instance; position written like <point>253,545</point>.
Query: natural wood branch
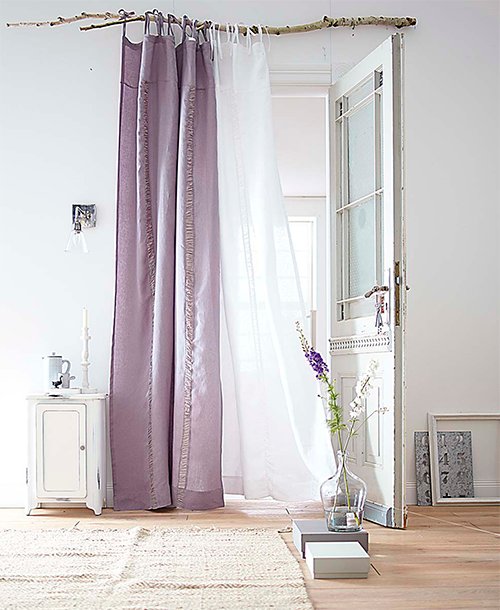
<point>64,20</point>
<point>95,26</point>
<point>326,22</point>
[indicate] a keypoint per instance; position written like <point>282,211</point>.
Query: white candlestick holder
<point>86,389</point>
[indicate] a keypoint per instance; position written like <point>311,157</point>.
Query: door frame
<point>315,81</point>
<point>295,207</point>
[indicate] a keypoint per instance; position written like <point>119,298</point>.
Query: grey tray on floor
<point>315,530</point>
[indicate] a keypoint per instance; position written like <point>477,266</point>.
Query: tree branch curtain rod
<point>129,17</point>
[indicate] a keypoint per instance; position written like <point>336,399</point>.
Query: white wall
<point>300,133</point>
<point>59,105</point>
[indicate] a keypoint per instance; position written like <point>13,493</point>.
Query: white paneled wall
<point>58,113</point>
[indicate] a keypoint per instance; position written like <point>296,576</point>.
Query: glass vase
<point>343,497</point>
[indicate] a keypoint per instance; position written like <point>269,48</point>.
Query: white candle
<point>85,317</point>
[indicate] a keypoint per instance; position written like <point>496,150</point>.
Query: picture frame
<point>432,419</point>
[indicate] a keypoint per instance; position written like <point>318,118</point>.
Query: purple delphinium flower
<point>313,357</point>
<point>317,363</point>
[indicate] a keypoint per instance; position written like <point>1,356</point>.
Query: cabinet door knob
<point>82,447</point>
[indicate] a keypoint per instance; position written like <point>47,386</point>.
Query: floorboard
<point>448,558</point>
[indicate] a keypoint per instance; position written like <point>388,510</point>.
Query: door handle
<point>375,289</point>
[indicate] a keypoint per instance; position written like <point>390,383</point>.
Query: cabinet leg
<point>96,507</point>
<point>31,501</point>
<point>30,505</point>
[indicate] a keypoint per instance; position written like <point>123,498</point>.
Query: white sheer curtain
<point>275,441</point>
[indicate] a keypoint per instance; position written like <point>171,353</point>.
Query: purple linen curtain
<point>165,395</point>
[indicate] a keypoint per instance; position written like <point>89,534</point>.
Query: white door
<point>61,451</point>
<point>367,252</point>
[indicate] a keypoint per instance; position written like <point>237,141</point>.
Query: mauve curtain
<point>165,395</point>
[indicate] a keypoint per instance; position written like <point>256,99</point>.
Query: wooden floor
<point>448,558</point>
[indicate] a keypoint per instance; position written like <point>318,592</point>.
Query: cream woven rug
<point>141,569</point>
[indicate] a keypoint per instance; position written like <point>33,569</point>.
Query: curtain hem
<point>303,491</point>
<point>199,500</point>
<point>192,500</point>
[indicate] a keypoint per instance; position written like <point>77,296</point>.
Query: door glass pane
<point>361,244</point>
<point>361,153</point>
<point>360,93</point>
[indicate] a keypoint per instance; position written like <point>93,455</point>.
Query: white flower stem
<point>364,422</point>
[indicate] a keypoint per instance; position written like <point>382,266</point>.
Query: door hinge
<point>397,295</point>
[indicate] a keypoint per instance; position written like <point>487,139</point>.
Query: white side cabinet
<point>67,451</point>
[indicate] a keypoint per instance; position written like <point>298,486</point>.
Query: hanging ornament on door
<point>379,311</point>
<point>380,304</point>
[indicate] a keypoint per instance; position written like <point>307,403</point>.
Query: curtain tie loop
<point>250,33</point>
<point>169,25</point>
<point>147,20</point>
<point>205,31</point>
<point>186,21</point>
<point>124,15</point>
<point>159,21</point>
<point>268,39</point>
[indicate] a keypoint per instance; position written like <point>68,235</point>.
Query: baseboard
<point>378,514</point>
<point>109,495</point>
<point>482,489</point>
<point>411,493</point>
